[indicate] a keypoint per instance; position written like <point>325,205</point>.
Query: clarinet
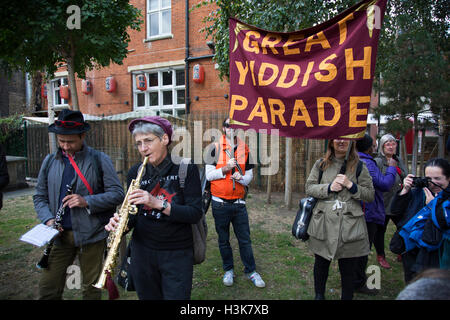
<point>43,262</point>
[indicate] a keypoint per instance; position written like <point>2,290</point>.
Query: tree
<point>44,34</point>
<point>275,15</point>
<point>414,67</point>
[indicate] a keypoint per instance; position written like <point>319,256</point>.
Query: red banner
<point>314,83</point>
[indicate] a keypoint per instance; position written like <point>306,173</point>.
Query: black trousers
<point>162,274</point>
<point>346,269</point>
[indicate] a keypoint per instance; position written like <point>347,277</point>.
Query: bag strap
<point>182,171</point>
<point>320,171</point>
<point>80,174</point>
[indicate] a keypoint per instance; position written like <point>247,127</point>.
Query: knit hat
<point>364,144</point>
<point>69,122</point>
<point>163,123</point>
<point>387,137</point>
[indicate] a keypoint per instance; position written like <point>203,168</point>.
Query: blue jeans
<point>225,213</point>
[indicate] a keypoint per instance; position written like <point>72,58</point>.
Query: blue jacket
<point>413,231</point>
<point>374,211</point>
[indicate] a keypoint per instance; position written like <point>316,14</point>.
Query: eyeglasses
<point>145,142</point>
<point>67,124</point>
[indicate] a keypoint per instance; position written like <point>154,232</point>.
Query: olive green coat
<point>338,228</point>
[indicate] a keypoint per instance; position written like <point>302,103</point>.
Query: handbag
<point>124,276</point>
<point>304,214</point>
<point>303,217</point>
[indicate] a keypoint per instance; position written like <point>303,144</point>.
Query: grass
<point>285,263</point>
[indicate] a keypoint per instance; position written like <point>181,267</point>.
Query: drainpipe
<point>186,65</point>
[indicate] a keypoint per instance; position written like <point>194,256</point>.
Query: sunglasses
<point>67,124</point>
<point>226,125</point>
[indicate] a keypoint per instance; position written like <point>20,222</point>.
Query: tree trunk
<point>441,140</point>
<point>72,85</point>
<point>422,151</point>
<point>415,145</point>
<point>51,118</point>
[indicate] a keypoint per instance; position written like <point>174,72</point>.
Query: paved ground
<point>18,193</point>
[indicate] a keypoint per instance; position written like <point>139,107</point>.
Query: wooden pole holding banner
<point>288,174</point>
<point>269,188</point>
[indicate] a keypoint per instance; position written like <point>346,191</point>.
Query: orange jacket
<point>223,188</point>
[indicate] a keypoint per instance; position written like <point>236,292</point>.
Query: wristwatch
<point>165,204</point>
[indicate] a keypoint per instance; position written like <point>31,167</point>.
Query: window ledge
<point>159,37</point>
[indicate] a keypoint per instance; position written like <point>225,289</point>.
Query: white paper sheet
<point>39,235</point>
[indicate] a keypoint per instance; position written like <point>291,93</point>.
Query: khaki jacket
<point>338,228</point>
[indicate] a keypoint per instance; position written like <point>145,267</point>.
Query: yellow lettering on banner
<point>321,111</point>
<point>270,40</point>
<point>300,106</point>
<point>307,73</point>
<point>331,68</point>
<point>277,112</point>
<point>234,106</point>
<point>258,111</point>
<point>242,71</point>
<point>350,63</point>
<point>246,43</point>
<point>321,39</point>
<point>354,111</point>
<point>252,69</point>
<point>343,28</point>
<point>281,82</point>
<point>262,71</point>
<point>292,40</point>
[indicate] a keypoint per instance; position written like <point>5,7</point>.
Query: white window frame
<point>175,108</point>
<point>159,11</point>
<point>55,91</point>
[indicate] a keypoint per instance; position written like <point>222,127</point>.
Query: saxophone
<point>116,236</point>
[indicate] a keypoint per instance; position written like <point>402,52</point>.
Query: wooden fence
<point>113,138</point>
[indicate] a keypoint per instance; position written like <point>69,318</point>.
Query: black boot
<point>319,296</point>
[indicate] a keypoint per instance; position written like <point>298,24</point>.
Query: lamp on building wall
<point>86,86</point>
<point>64,92</point>
<point>110,84</point>
<point>141,82</point>
<point>198,73</point>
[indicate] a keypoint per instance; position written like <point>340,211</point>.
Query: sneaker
<point>228,278</point>
<point>382,261</point>
<point>256,279</point>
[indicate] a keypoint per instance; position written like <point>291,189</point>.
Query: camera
<point>420,182</point>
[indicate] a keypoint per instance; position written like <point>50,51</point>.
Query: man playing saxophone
<point>96,192</point>
<point>161,244</point>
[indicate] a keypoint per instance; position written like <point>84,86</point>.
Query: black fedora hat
<point>69,122</point>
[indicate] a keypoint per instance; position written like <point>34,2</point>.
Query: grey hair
<point>146,128</point>
<point>383,140</point>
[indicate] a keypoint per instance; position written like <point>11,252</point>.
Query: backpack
<point>206,191</point>
<point>200,229</point>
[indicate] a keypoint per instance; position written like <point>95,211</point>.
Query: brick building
<point>165,53</point>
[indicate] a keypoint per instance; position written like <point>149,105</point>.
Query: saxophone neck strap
<point>79,173</point>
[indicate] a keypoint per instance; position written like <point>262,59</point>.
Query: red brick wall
<point>210,93</point>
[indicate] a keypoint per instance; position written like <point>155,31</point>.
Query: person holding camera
<point>388,152</point>
<point>416,193</point>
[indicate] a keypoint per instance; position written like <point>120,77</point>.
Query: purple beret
<point>163,123</point>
